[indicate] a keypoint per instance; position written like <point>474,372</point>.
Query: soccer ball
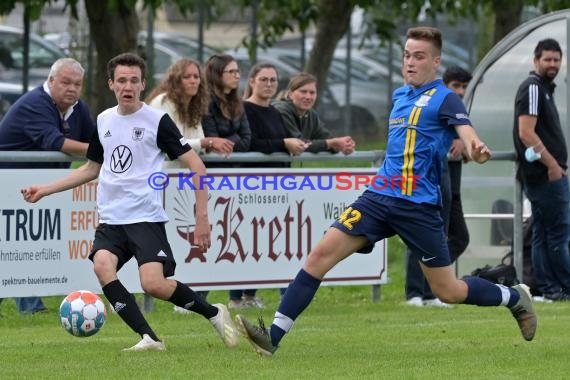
<point>82,313</point>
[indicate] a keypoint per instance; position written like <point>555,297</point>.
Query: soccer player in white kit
<point>130,144</point>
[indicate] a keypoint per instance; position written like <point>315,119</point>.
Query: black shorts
<point>145,241</point>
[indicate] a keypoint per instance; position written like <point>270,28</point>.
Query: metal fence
<point>373,157</point>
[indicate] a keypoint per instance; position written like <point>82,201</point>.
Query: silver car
<point>369,96</point>
<point>42,54</point>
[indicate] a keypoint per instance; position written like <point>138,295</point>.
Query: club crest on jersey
<point>422,101</point>
<point>138,133</point>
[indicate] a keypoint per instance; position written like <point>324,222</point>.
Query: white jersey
<point>130,148</point>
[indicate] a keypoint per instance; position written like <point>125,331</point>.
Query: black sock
<point>185,297</point>
<point>125,305</point>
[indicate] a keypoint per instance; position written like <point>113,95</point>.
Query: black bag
<point>508,259</point>
<point>528,273</point>
<point>503,273</point>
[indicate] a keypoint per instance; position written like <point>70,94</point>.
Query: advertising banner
<point>264,224</point>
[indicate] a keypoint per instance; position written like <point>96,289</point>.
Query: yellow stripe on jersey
<point>412,115</point>
<point>411,134</point>
<point>416,116</point>
<point>408,169</point>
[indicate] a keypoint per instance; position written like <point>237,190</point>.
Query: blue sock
<point>485,293</point>
<point>299,295</point>
<point>515,296</point>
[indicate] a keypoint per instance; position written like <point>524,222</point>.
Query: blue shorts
<point>378,217</point>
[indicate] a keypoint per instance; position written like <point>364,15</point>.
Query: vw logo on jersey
<point>121,159</point>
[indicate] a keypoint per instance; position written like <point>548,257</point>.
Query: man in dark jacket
<point>49,118</point>
<point>542,157</point>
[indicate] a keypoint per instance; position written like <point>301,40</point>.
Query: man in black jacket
<point>542,157</point>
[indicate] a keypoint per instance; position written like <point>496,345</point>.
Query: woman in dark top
<point>268,135</point>
<point>225,122</point>
<point>268,131</point>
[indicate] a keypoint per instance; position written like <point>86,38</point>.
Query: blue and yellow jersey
<point>419,137</point>
<point>399,92</point>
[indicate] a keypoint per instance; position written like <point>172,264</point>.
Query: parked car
<point>164,56</point>
<point>168,48</point>
<point>378,50</point>
<point>63,41</point>
<point>329,110</point>
<point>42,54</point>
<point>184,45</point>
<point>370,99</point>
<point>9,93</point>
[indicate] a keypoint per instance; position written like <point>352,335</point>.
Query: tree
<point>507,17</point>
<point>332,19</point>
<point>114,24</point>
<point>507,14</point>
<point>327,36</point>
<point>109,19</point>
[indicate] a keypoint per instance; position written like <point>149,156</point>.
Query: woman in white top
<point>183,95</point>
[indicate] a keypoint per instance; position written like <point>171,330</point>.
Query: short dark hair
<point>549,44</point>
<point>426,33</point>
<point>125,59</point>
<point>456,73</point>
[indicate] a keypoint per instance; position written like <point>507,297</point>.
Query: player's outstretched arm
<point>476,149</point>
<point>87,172</point>
<point>202,231</point>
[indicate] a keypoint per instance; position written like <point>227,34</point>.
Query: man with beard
<point>423,122</point>
<point>542,155</point>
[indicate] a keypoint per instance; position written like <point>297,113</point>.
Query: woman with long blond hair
<point>183,95</point>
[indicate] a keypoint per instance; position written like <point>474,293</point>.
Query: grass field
<point>342,335</point>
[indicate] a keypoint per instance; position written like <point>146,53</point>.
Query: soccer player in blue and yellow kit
<point>421,128</point>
